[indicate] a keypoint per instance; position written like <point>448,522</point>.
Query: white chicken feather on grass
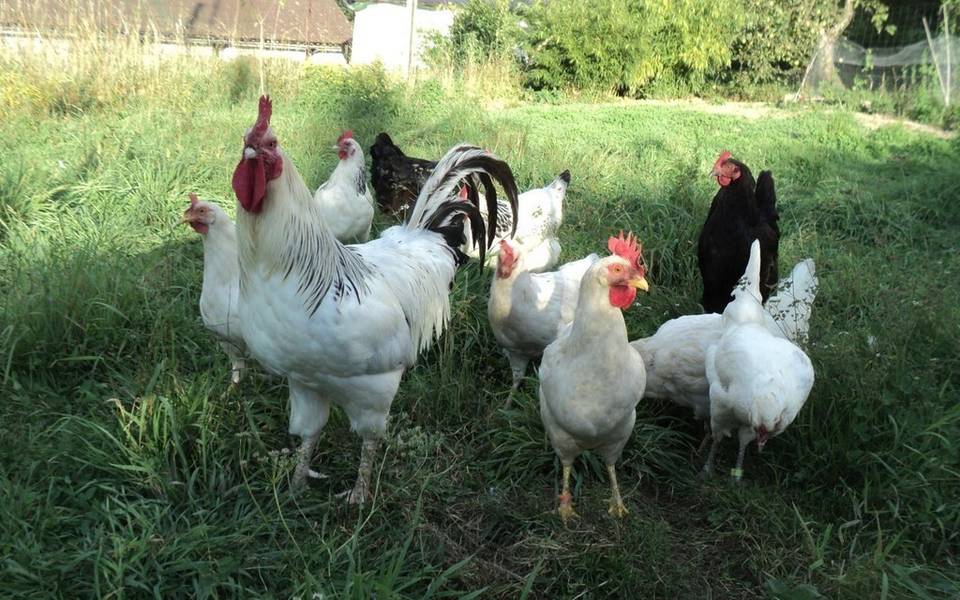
<point>342,323</point>
<point>591,379</point>
<point>219,295</point>
<point>675,356</point>
<point>528,310</point>
<point>539,216</point>
<point>344,199</point>
<point>759,381</point>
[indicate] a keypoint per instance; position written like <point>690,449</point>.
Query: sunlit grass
<point>122,463</point>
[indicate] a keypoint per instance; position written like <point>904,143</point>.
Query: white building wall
<point>381,32</point>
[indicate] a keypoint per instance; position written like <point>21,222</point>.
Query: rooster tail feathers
<point>766,197</point>
<point>438,207</point>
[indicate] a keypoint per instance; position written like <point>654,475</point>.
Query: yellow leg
<point>617,509</point>
<point>566,498</point>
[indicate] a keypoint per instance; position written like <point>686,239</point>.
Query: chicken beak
<point>186,218</point>
<point>714,172</point>
<point>337,147</point>
<point>639,283</point>
<point>249,152</point>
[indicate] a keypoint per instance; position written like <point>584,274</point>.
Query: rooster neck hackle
<point>290,237</point>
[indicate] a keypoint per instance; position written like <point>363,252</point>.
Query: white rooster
<point>219,296</point>
<point>342,323</point>
<point>540,213</point>
<point>591,379</point>
<point>344,199</point>
<point>675,356</point>
<point>528,310</point>
<point>759,381</point>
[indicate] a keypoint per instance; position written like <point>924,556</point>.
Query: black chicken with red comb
<point>743,210</point>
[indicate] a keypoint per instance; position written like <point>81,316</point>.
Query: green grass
<point>125,472</point>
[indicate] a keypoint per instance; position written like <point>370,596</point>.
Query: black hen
<point>397,178</point>
<point>742,211</point>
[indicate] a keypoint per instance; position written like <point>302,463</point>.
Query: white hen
<point>759,381</point>
<point>219,296</point>
<point>528,310</point>
<point>539,215</point>
<point>591,379</point>
<point>675,356</point>
<point>344,199</point>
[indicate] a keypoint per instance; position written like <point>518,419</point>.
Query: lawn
<point>125,469</point>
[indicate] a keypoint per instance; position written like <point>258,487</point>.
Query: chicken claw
<point>565,509</point>
<point>617,509</point>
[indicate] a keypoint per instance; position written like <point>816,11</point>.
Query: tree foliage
<point>779,37</point>
<point>625,45</point>
<point>484,29</point>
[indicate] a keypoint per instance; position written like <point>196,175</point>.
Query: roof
<point>306,22</point>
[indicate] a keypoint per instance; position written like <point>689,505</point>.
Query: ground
<point>124,463</point>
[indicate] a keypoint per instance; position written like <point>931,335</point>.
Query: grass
<point>125,471</point>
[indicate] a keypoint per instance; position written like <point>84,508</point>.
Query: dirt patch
<point>757,110</point>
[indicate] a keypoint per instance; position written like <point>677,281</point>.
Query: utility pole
<point>412,5</point>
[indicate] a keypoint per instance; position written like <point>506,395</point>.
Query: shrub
<point>623,47</point>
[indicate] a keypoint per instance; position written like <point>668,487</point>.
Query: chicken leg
<point>236,371</point>
<point>617,508</point>
<point>566,498</point>
<point>303,470</point>
<point>707,471</point>
<point>518,368</point>
<point>737,472</point>
<point>361,489</point>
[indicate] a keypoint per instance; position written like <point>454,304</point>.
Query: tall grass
<point>123,464</point>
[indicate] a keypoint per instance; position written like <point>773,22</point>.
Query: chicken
<point>591,379</point>
<point>397,178</point>
<point>742,211</point>
<point>221,279</point>
<point>528,310</point>
<point>675,355</point>
<point>343,323</point>
<point>540,216</point>
<point>759,381</point>
<point>344,200</point>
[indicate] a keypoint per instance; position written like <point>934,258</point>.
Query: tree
<point>826,70</point>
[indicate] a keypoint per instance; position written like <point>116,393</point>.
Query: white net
<point>888,68</point>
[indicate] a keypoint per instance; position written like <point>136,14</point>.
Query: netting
<point>923,63</point>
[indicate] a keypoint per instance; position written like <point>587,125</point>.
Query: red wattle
<point>199,227</point>
<point>622,296</point>
<point>250,184</point>
<point>723,180</point>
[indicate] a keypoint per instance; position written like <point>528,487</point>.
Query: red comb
<point>628,248</point>
<point>346,135</point>
<point>193,199</point>
<point>724,157</point>
<point>263,118</point>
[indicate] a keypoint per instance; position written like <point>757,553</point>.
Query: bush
<point>623,47</point>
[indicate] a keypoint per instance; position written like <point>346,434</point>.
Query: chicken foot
<point>361,489</point>
<point>617,508</point>
<point>565,509</point>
